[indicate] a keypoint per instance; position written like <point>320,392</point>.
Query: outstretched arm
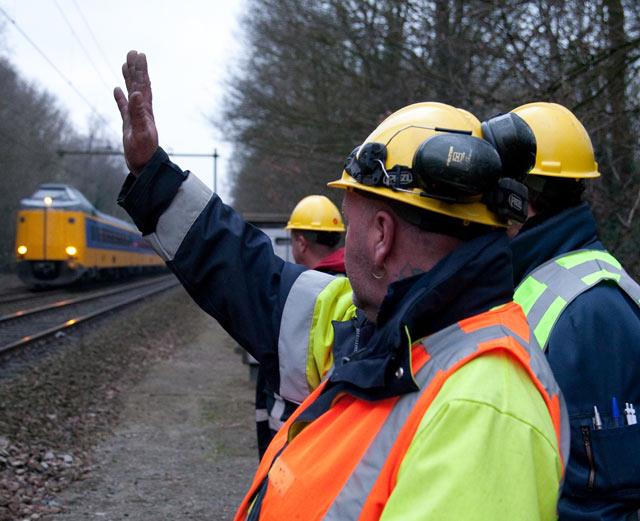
<point>139,132</point>
<point>227,265</point>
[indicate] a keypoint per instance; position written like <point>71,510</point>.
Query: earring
<point>378,277</point>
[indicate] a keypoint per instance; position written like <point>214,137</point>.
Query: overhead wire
<point>95,41</point>
<point>55,68</point>
<point>84,49</point>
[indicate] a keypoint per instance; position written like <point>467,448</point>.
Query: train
<point>61,238</point>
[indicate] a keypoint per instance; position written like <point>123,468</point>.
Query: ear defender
<point>515,142</point>
<point>454,167</point>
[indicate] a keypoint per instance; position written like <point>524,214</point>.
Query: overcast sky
<point>189,45</point>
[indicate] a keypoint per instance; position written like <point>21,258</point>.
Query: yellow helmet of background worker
<point>429,155</point>
<point>316,213</point>
<point>564,148</point>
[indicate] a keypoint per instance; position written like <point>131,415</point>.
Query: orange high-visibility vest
<point>344,464</point>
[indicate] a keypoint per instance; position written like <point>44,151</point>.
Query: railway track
<point>11,298</point>
<point>26,325</point>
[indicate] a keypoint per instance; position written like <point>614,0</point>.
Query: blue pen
<point>615,412</point>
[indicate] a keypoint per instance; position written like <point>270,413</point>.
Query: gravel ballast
<point>146,414</point>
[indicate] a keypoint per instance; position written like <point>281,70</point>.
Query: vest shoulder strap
<point>551,287</point>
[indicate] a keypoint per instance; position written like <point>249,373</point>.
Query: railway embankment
<point>143,415</point>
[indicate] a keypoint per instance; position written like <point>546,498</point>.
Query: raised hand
<point>139,132</point>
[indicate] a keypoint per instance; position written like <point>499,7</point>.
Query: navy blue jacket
<point>594,351</point>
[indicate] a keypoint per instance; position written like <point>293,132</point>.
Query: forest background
<point>316,78</point>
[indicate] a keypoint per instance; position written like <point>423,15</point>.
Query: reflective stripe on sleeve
<point>275,424</point>
<point>295,328</point>
<point>175,222</point>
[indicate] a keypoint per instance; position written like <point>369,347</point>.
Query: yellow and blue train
<point>62,238</point>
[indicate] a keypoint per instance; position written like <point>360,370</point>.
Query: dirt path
<point>185,446</point>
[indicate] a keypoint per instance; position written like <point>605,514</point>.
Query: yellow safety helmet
<point>475,122</point>
<point>564,148</point>
<point>316,213</point>
<point>421,155</point>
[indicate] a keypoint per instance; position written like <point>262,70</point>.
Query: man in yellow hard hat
<point>421,396</point>
<point>582,306</point>
<point>316,232</point>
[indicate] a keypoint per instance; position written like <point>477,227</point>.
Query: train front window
<point>55,194</point>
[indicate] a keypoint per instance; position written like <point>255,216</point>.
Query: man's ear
<point>301,241</point>
<point>383,237</point>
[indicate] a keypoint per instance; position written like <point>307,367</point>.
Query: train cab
<point>61,238</point>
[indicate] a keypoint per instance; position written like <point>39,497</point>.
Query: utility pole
<point>215,170</point>
<point>110,152</point>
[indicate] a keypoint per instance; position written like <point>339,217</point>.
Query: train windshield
<point>57,194</point>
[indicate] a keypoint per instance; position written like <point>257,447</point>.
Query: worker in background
<point>316,233</point>
<point>421,396</point>
<point>583,309</point>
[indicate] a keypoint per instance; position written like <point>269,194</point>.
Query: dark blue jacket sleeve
<point>594,352</point>
<point>227,265</point>
<point>146,197</point>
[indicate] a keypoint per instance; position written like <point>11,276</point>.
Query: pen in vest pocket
<point>616,419</point>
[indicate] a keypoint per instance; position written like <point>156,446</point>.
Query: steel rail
<point>8,298</point>
<point>71,301</point>
<point>88,316</point>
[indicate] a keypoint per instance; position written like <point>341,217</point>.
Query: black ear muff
<point>509,199</point>
<point>454,167</point>
<point>515,142</point>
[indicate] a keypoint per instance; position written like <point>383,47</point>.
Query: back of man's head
<point>564,156</point>
<point>316,229</point>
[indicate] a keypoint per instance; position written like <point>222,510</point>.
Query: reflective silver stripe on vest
<point>176,221</point>
<point>565,284</point>
<point>295,327</point>
<point>446,348</point>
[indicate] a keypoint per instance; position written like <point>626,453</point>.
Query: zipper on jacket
<point>586,439</point>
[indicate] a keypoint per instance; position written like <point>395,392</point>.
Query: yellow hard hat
<point>564,148</point>
<point>474,121</point>
<point>316,213</point>
<point>421,155</point>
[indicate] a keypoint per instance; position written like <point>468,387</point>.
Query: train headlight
<point>71,250</point>
<point>48,201</point>
<point>22,249</point>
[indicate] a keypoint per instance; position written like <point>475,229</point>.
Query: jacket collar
<point>474,278</point>
<point>332,263</point>
<point>545,237</point>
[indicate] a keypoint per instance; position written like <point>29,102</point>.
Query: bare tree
<point>318,76</point>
